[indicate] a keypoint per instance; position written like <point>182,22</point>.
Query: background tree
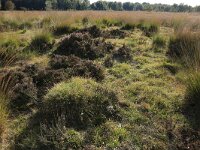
<point>9,5</point>
<point>128,6</point>
<point>99,5</point>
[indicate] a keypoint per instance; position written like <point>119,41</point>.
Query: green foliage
<point>9,5</point>
<point>63,29</point>
<point>59,137</point>
<point>3,114</point>
<point>7,57</point>
<point>175,46</point>
<point>173,68</point>
<point>109,134</point>
<point>192,103</point>
<point>99,5</point>
<point>148,29</point>
<point>110,22</point>
<point>159,42</point>
<point>84,102</point>
<point>42,43</point>
<point>128,26</point>
<point>120,70</point>
<point>185,46</point>
<point>85,21</point>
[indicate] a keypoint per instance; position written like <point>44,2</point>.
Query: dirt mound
<point>94,31</point>
<point>23,92</point>
<point>83,46</point>
<point>47,78</point>
<point>123,54</point>
<point>115,33</point>
<point>77,67</point>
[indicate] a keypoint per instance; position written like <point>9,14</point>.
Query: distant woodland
<point>86,5</point>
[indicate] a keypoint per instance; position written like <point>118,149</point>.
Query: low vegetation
<point>111,80</point>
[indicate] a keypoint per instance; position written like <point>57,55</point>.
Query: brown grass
<point>161,18</point>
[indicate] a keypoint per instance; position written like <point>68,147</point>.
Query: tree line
<point>85,5</point>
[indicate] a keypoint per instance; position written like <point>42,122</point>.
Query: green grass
<point>146,91</point>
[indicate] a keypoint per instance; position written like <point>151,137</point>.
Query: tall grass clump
<point>149,29</point>
<point>186,47</point>
<point>128,26</point>
<point>85,21</point>
<point>3,114</point>
<point>57,136</point>
<point>192,103</point>
<point>159,41</point>
<point>7,57</point>
<point>84,102</point>
<point>109,22</point>
<point>63,29</point>
<point>42,43</point>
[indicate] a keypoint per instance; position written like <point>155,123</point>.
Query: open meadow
<point>97,80</point>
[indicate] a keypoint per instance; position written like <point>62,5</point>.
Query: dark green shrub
<point>83,46</point>
<point>123,54</point>
<point>42,43</point>
<point>128,26</point>
<point>159,42</point>
<point>84,102</point>
<point>77,67</point>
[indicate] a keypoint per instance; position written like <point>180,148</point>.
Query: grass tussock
<point>84,102</point>
<point>192,100</point>
<point>186,47</point>
<point>159,41</point>
<point>42,43</point>
<point>63,29</point>
<point>148,29</point>
<point>3,114</point>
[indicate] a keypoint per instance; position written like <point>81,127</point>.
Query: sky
<point>188,2</point>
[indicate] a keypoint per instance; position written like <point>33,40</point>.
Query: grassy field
<point>99,80</point>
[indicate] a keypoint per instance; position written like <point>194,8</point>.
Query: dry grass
<point>68,17</point>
